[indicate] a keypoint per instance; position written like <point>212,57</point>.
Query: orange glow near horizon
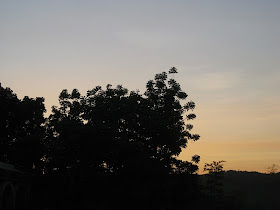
<point>246,137</point>
<point>244,156</point>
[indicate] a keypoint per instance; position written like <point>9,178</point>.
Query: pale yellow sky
<point>239,155</point>
<point>246,136</point>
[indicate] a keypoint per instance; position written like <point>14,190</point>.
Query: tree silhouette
<point>63,129</point>
<point>273,169</point>
<point>214,188</point>
<point>112,132</point>
<point>214,167</point>
<point>167,126</point>
<point>21,129</point>
<point>121,132</point>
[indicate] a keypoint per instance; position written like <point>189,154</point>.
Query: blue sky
<point>227,54</point>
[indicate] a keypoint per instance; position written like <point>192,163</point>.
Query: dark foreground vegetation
<point>116,192</point>
<point>111,148</point>
<point>236,190</point>
<point>251,190</point>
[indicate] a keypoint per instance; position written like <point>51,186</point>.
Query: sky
<point>227,54</point>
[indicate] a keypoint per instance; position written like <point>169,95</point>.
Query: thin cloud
<point>214,81</point>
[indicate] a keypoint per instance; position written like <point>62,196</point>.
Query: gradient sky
<point>227,54</point>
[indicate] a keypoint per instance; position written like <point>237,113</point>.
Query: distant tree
<point>121,132</point>
<point>273,169</point>
<point>21,129</point>
<point>213,187</point>
<point>214,167</point>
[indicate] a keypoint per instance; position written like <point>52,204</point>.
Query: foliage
<point>214,167</point>
<point>21,129</point>
<point>116,131</point>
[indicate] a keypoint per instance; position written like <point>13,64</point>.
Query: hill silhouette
<point>251,190</point>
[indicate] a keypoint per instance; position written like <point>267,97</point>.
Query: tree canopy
<point>117,131</point>
<point>21,129</point>
<point>106,131</point>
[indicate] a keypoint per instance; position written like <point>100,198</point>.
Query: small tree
<point>273,169</point>
<point>214,167</point>
<point>214,182</point>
